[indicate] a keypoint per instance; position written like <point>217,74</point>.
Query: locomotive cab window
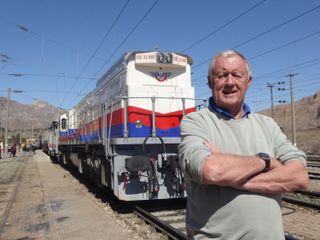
<point>63,124</point>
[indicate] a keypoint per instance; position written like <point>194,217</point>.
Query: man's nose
<point>230,79</point>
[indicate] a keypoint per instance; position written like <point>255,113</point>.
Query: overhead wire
<point>27,29</point>
<point>265,32</point>
<point>266,97</point>
<point>268,51</point>
<point>97,48</point>
<point>128,35</point>
<point>120,45</point>
<point>263,92</point>
<point>294,67</point>
<point>44,75</point>
<point>284,45</point>
<point>224,25</point>
<point>298,83</point>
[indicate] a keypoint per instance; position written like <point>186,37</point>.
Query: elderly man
<point>236,163</point>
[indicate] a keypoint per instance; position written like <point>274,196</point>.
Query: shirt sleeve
<point>285,151</point>
<point>192,151</point>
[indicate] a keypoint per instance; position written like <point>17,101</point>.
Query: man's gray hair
<point>228,53</point>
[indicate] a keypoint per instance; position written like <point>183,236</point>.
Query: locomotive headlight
<point>160,57</point>
<point>168,57</point>
<point>138,124</point>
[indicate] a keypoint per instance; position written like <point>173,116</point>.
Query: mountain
<point>37,115</point>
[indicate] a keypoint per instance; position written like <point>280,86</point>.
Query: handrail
<point>124,103</point>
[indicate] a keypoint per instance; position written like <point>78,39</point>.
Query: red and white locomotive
<point>125,132</point>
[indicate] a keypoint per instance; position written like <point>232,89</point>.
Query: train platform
<point>48,205</point>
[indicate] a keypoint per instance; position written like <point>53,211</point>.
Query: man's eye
<point>237,75</point>
<point>222,75</point>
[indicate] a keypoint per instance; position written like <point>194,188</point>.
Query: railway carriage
<point>51,140</point>
<point>125,132</point>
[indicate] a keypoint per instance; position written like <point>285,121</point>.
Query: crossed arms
<point>231,170</point>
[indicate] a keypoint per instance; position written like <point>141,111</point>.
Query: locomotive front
<point>125,133</point>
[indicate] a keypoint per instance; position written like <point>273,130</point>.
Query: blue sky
<point>51,42</point>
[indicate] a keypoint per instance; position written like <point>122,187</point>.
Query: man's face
<point>229,82</point>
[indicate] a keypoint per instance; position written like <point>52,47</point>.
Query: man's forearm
<point>284,178</point>
<point>230,170</point>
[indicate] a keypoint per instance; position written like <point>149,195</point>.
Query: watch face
<point>263,155</point>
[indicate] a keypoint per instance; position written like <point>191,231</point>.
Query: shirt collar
<point>224,113</point>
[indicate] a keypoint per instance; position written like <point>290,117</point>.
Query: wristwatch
<point>265,157</point>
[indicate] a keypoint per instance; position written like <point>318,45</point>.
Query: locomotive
<point>125,132</point>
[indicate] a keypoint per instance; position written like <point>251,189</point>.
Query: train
<point>125,132</point>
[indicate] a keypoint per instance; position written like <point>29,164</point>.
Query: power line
<point>276,27</point>
<point>123,41</point>
<point>291,68</point>
<point>271,50</point>
<point>273,74</point>
<point>223,26</point>
<point>265,32</point>
<point>27,29</point>
<point>126,38</point>
<point>44,75</point>
<point>284,45</point>
<point>98,47</point>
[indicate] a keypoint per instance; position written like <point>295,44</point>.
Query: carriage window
<point>63,124</point>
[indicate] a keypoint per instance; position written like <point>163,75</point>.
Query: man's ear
<point>250,80</point>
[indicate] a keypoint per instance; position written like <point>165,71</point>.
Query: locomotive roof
<point>125,58</point>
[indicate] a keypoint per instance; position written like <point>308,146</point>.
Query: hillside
<point>37,115</point>
<point>307,111</point>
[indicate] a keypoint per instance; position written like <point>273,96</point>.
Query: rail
<point>170,231</point>
<point>301,202</point>
<point>16,180</point>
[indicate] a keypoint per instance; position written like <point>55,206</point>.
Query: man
<point>236,163</point>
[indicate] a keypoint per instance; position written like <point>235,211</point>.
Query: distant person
<point>34,148</point>
<point>236,163</point>
<point>13,150</point>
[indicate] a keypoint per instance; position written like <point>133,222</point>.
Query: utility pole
<point>294,138</point>
<point>7,123</point>
<point>32,129</point>
<point>271,85</point>
<point>7,120</point>
<point>20,132</point>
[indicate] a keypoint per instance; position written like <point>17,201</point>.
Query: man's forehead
<point>226,62</point>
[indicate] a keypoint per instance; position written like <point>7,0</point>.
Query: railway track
<point>313,157</point>
<point>314,176</point>
<point>165,222</point>
<point>313,161</point>
<point>172,223</point>
<point>303,198</point>
<point>9,183</point>
<point>169,220</point>
<point>316,165</point>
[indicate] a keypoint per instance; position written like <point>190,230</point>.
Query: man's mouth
<point>228,92</point>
